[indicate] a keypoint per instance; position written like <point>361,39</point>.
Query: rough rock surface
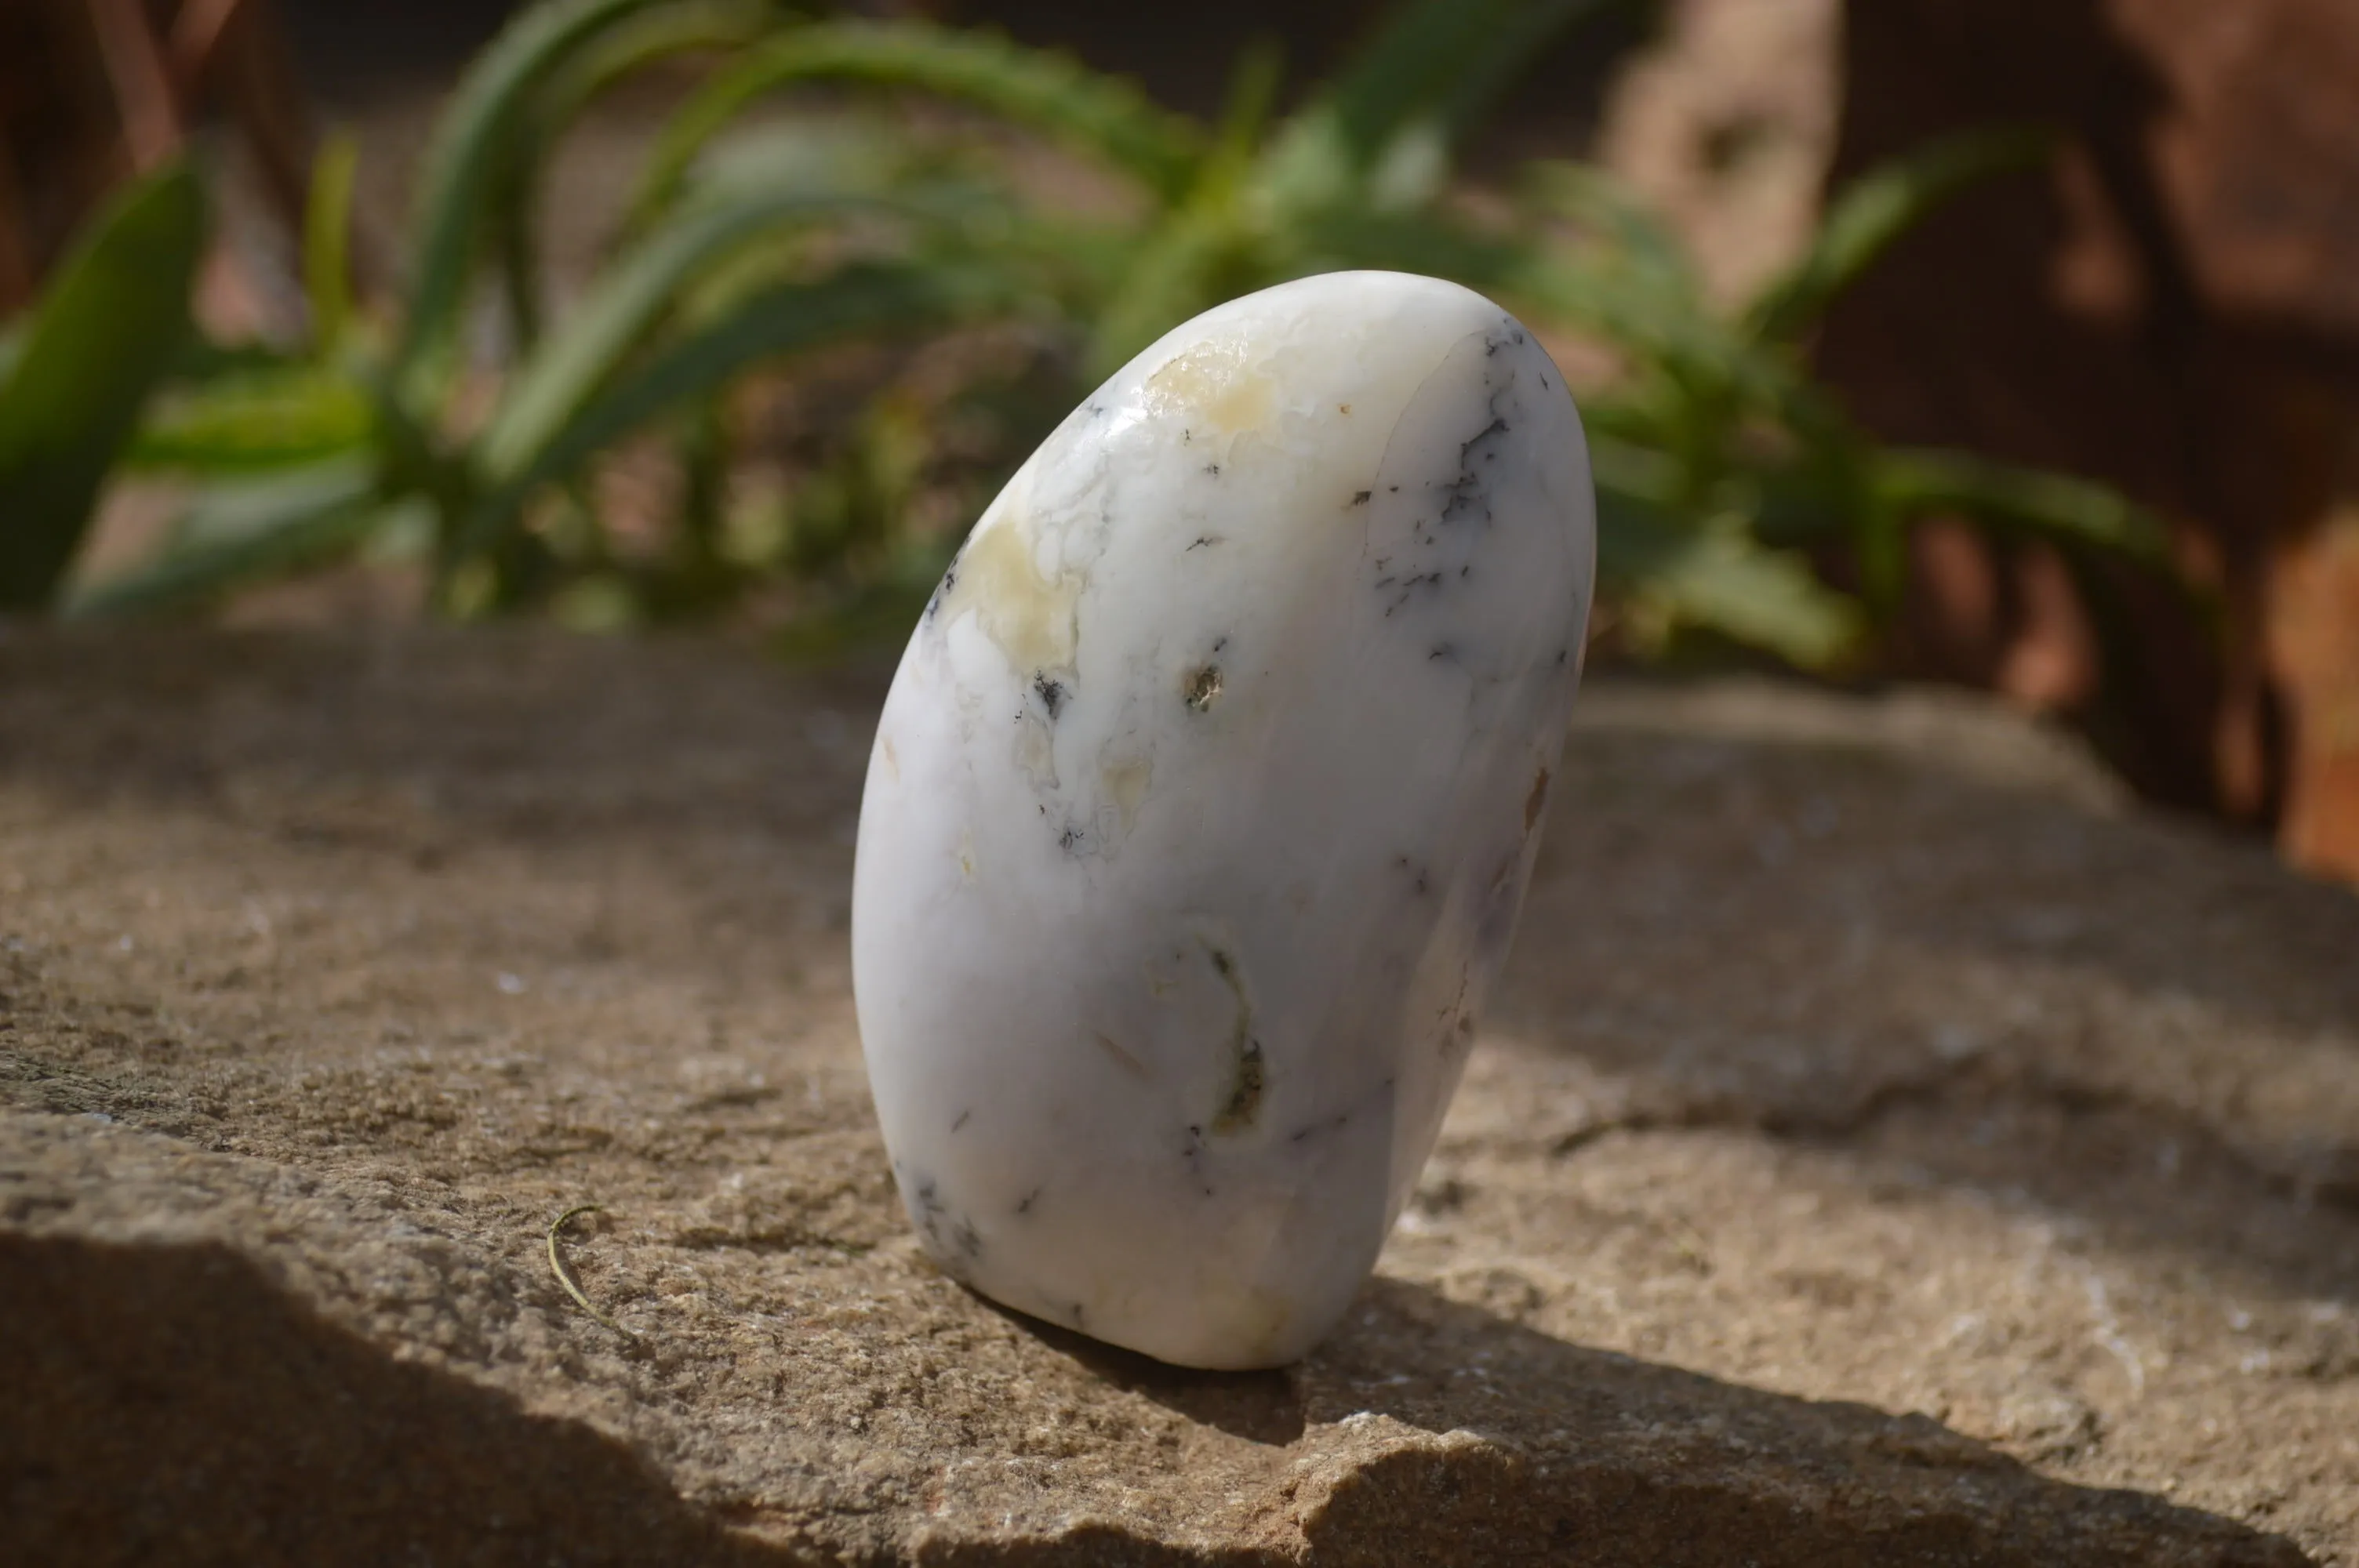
<point>1887,1148</point>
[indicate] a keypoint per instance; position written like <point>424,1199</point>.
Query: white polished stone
<point>1200,812</point>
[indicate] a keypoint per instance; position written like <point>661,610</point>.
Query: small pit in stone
<point>1202,689</point>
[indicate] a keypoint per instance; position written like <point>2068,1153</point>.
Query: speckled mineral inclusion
<point>1201,809</point>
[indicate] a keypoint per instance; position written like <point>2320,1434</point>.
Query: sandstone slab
<point>1886,1146</point>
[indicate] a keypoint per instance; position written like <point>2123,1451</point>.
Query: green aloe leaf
<point>1596,200</point>
<point>1172,278</point>
<point>1101,116</point>
<point>473,157</point>
<point>633,45</point>
<point>108,328</point>
<point>867,299</point>
<point>1660,332</point>
<point>645,287</point>
<point>1717,577</point>
<point>1875,211</point>
<point>235,534</point>
<point>1914,482</point>
<point>1407,243</point>
<point>1444,60</point>
<point>258,422</point>
<point>327,241</point>
<point>1514,45</point>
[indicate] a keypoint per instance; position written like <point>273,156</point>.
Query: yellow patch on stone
<point>1215,387</point>
<point>1125,785</point>
<point>1033,617</point>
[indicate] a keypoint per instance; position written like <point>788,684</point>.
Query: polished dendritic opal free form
<point>1201,809</point>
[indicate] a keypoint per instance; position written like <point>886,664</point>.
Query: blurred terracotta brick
<point>2174,309</point>
<point>2314,637</point>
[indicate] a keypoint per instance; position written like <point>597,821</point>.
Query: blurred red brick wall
<point>2174,309</point>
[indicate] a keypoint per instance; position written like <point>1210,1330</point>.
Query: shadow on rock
<point>1589,1456</point>
<point>1430,1431</point>
<point>1260,1407</point>
<point>170,1406</point>
<point>2003,987</point>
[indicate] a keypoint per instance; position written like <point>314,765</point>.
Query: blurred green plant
<point>75,374</point>
<point>1721,467</point>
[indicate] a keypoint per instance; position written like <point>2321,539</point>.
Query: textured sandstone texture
<point>1885,1147</point>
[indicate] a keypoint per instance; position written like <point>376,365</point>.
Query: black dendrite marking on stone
<point>1073,839</point>
<point>1441,651</point>
<point>1457,1017</point>
<point>1335,1123</point>
<point>949,582</point>
<point>1409,587</point>
<point>962,1119</point>
<point>951,1237</point>
<point>1245,1092</point>
<point>1219,643</point>
<point>1200,688</point>
<point>1466,498</point>
<point>1202,540</point>
<point>1023,1205</point>
<point>1360,497</point>
<point>1249,1076</point>
<point>1442,541</point>
<point>1052,692</point>
<point>1212,469</point>
<point>1193,1158</point>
